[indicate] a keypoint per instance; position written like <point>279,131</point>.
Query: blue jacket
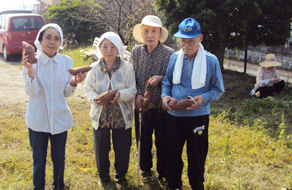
<point>212,90</point>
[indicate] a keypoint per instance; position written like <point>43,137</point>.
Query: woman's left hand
<point>77,79</point>
<point>115,98</point>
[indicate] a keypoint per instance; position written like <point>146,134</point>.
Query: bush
<point>71,16</point>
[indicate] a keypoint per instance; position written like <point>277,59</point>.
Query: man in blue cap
<point>193,74</point>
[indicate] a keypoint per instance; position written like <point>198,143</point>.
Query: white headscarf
<point>115,39</point>
<point>38,44</point>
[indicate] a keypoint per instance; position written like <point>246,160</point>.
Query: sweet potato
<point>146,100</point>
<point>106,96</point>
<point>181,104</point>
<point>81,69</point>
<point>30,51</point>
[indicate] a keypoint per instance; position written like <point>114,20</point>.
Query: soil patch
<point>12,85</point>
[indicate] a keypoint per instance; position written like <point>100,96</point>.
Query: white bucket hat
<point>270,61</point>
<point>149,20</point>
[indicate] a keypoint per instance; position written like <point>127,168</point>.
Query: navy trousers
<point>122,140</point>
<point>153,121</point>
<point>39,144</point>
<point>194,131</point>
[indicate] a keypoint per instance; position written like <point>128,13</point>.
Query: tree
<point>232,23</point>
<point>119,16</point>
<point>71,16</point>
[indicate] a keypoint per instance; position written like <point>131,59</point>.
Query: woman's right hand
<point>27,64</point>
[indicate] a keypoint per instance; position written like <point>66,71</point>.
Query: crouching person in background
<point>268,81</point>
<point>111,112</point>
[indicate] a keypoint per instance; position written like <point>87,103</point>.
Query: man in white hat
<point>268,80</point>
<point>195,73</point>
<point>150,60</point>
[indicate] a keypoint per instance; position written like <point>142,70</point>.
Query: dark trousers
<point>122,140</point>
<point>270,90</point>
<point>153,120</point>
<point>194,131</point>
<point>39,144</point>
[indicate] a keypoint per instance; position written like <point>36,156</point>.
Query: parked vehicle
<point>15,28</point>
<point>14,11</point>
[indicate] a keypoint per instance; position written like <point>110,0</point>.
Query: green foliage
<point>271,115</point>
<point>240,156</point>
<point>72,18</point>
<point>232,23</point>
<point>77,56</point>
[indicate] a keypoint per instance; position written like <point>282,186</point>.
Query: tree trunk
<point>219,53</point>
<point>245,59</point>
<point>220,50</point>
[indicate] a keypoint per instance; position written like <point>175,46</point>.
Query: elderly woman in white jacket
<point>111,72</point>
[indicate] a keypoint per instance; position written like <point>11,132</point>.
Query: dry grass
<point>239,158</point>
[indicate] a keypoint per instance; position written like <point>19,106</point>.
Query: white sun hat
<point>149,20</point>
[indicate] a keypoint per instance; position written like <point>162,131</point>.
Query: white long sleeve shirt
<point>47,109</point>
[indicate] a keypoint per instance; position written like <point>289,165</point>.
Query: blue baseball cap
<point>188,28</point>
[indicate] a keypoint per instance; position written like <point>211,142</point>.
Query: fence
<point>235,60</point>
<point>257,54</point>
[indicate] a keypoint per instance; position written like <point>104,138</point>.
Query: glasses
<point>190,42</point>
<point>55,39</point>
<point>111,48</point>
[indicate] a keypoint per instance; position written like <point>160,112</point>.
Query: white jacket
<point>98,82</point>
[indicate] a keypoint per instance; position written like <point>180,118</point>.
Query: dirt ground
<point>12,84</point>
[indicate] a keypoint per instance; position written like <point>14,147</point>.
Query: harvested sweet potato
<point>181,104</point>
<point>106,96</point>
<point>81,69</point>
<point>146,100</point>
<point>30,51</point>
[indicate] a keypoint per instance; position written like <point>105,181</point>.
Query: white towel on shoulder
<point>199,68</point>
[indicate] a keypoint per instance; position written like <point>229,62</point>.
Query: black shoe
<point>121,180</point>
<point>104,181</point>
<point>162,178</point>
<point>147,173</point>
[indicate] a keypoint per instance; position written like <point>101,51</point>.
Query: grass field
<point>249,144</point>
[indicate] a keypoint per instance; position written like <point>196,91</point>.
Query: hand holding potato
<point>27,64</point>
<point>199,99</point>
<point>155,80</point>
<point>29,50</point>
<point>78,78</point>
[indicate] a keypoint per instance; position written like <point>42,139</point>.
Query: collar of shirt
<point>114,68</point>
<point>46,58</point>
<point>158,46</point>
